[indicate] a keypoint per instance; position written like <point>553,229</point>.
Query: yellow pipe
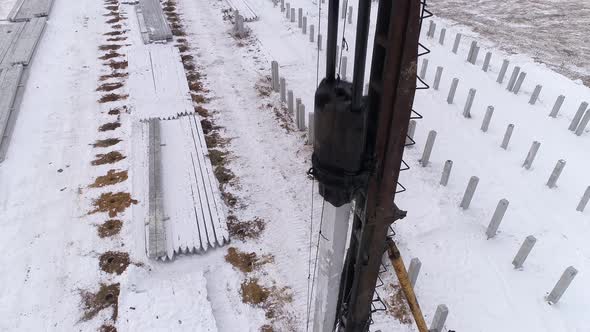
<point>404,281</point>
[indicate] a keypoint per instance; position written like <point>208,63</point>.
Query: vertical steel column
<point>360,52</point>
<point>332,40</point>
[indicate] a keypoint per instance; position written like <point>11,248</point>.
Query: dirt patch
<point>230,199</point>
<point>193,76</point>
<point>218,157</point>
<point>106,297</point>
<point>107,158</point>
<point>109,126</point>
<point>112,8</point>
<point>112,177</point>
<point>398,307</point>
<point>113,75</point>
<point>117,64</point>
<point>178,32</point>
<point>110,55</point>
<point>224,176</point>
<point>182,48</point>
<point>271,299</point>
<point>244,230</point>
<point>188,65</point>
<point>263,86</point>
<point>202,111</point>
<point>109,228</point>
<point>116,26</point>
<point>105,143</point>
<point>110,86</point>
<point>113,203</point>
<point>208,126</point>
<point>114,20</point>
<point>114,262</point>
<point>196,86</point>
<point>199,99</point>
<point>114,33</point>
<point>111,97</point>
<point>117,111</point>
<point>109,47</point>
<point>266,328</point>
<point>107,328</point>
<point>117,39</point>
<point>214,140</point>
<point>246,262</point>
<point>187,57</point>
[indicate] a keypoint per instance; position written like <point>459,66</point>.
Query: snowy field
<point>552,32</point>
<point>51,244</point>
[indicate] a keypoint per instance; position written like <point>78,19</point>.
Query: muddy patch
<point>117,64</point>
<point>109,47</point>
<point>110,55</point>
<point>113,75</point>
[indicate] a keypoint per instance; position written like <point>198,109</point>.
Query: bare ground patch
<point>113,203</point>
<point>112,177</point>
<point>246,262</point>
<point>105,143</point>
<point>263,86</point>
<point>109,126</point>
<point>271,299</point>
<point>114,262</point>
<point>110,55</point>
<point>109,47</point>
<point>108,158</point>
<point>107,296</point>
<point>109,86</point>
<point>117,64</point>
<point>107,328</point>
<point>112,97</point>
<point>113,75</point>
<point>214,140</point>
<point>109,228</point>
<point>397,306</point>
<point>245,230</point>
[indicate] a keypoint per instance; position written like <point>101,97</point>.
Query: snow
<point>50,244</point>
<point>5,8</point>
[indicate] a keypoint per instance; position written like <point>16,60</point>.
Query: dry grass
<point>106,297</point>
<point>114,262</point>
<point>246,262</point>
<point>398,307</point>
<point>112,177</point>
<point>112,203</point>
<point>112,97</point>
<point>105,143</point>
<point>108,158</point>
<point>244,230</point>
<point>109,126</point>
<point>109,228</point>
<point>109,86</point>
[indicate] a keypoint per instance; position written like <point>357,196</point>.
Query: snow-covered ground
<point>5,7</point>
<point>50,242</point>
<point>551,32</point>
